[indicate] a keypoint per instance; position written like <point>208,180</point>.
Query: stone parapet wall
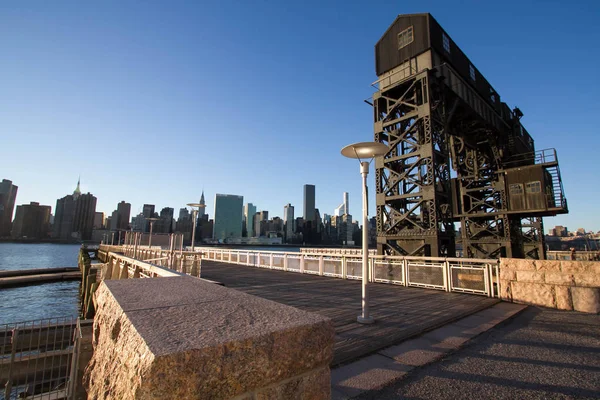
<point>183,338</point>
<point>561,284</point>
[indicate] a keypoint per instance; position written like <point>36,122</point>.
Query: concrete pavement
<point>536,353</point>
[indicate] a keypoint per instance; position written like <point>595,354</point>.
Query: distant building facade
<point>147,212</point>
<point>120,217</point>
<point>309,203</point>
<point>202,208</point>
<point>261,223</point>
<point>74,216</point>
<point>165,221</point>
<point>342,208</point>
<point>249,211</point>
<point>560,231</point>
<point>98,220</point>
<point>32,221</point>
<point>228,216</point>
<point>8,195</point>
<point>288,223</point>
<point>184,224</point>
<point>138,223</point>
<point>309,231</point>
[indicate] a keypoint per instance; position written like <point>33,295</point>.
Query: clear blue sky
<point>152,101</point>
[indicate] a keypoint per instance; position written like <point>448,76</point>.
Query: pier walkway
<point>400,312</point>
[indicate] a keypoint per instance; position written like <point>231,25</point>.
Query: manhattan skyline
<point>153,103</point>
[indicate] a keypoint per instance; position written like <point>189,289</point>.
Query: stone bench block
<point>533,293</point>
<point>586,299</point>
<point>183,338</point>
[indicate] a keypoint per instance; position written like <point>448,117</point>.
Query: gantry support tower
<point>413,180</point>
<point>457,154</point>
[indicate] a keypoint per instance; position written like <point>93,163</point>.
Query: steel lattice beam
<point>413,179</point>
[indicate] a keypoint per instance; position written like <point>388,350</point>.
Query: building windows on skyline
<point>228,217</point>
<point>446,42</point>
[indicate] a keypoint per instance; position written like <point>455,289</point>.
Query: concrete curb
<point>390,364</point>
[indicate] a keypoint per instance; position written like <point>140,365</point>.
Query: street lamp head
<point>152,219</point>
<point>364,150</point>
<point>196,205</point>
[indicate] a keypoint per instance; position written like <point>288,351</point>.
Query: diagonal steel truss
<point>413,179</point>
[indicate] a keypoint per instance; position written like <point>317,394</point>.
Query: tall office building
<point>249,211</point>
<point>120,217</point>
<point>261,223</point>
<point>202,208</point>
<point>343,208</point>
<point>8,195</point>
<point>124,211</point>
<point>138,223</point>
<point>148,212</point>
<point>309,203</point>
<point>32,221</point>
<point>228,216</point>
<point>288,222</point>
<point>74,217</point>
<point>98,220</point>
<point>184,223</point>
<point>165,222</point>
<point>309,231</point>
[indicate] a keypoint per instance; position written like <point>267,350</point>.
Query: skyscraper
<point>120,217</point>
<point>288,222</point>
<point>261,225</point>
<point>202,209</point>
<point>74,217</point>
<point>249,211</point>
<point>309,231</point>
<point>124,210</point>
<point>165,222</point>
<point>8,195</point>
<point>98,220</point>
<point>342,208</point>
<point>31,221</point>
<point>148,212</point>
<point>228,216</point>
<point>309,203</point>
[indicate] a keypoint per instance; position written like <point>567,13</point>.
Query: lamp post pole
<point>365,318</point>
<point>195,208</point>
<point>365,150</point>
<point>152,220</point>
<point>194,216</point>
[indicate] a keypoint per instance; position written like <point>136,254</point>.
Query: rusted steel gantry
<point>457,154</point>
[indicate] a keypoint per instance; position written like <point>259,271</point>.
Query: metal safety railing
<point>36,358</point>
<point>335,250</point>
<point>464,275</point>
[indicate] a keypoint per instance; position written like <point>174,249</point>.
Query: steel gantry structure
<point>457,154</point>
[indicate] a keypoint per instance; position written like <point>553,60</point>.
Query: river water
<point>58,299</point>
<point>38,301</point>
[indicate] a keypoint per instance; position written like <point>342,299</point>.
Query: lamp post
<point>152,221</point>
<point>365,150</point>
<point>195,208</point>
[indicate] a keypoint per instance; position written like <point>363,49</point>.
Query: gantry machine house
<point>457,154</point>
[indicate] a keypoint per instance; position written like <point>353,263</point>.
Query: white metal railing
<point>335,250</point>
<point>464,275</point>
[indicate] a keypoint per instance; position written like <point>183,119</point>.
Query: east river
<point>50,300</point>
<point>38,301</point>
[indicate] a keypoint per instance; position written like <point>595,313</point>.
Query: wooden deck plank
<point>400,312</point>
